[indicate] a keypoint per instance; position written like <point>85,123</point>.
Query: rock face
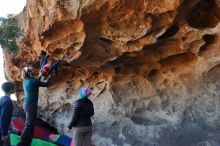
<point>154,67</point>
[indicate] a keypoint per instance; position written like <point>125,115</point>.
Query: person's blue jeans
<point>31,117</point>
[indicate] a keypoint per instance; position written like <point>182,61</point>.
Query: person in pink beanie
<point>81,119</point>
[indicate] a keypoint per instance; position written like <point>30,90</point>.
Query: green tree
<point>9,31</point>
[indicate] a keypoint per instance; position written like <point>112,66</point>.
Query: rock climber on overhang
<point>48,68</point>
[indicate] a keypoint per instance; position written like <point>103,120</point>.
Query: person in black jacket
<point>6,109</point>
<point>81,119</point>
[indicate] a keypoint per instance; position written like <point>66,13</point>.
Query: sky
<point>8,7</point>
<point>11,7</point>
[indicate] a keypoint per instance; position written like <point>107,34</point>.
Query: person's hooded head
<point>85,92</point>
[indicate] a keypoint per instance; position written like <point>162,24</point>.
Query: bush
<point>9,31</point>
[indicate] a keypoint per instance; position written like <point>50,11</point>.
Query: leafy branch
<point>9,32</point>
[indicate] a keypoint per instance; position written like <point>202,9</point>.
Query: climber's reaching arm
<point>45,83</point>
<point>55,65</point>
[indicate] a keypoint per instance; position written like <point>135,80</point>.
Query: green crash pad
<point>14,139</point>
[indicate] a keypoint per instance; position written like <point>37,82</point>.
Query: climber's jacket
<point>82,111</point>
<point>6,109</point>
<point>31,89</point>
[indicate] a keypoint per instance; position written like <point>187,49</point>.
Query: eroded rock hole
<point>54,28</point>
<point>204,15</point>
<point>171,31</point>
<point>58,51</point>
<point>209,39</point>
<point>43,53</point>
<point>117,69</point>
<point>15,61</point>
<point>153,72</point>
<point>105,40</point>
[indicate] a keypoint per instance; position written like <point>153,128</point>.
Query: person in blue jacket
<point>48,68</point>
<point>6,109</point>
<point>31,88</point>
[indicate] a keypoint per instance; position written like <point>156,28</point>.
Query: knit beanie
<point>85,92</point>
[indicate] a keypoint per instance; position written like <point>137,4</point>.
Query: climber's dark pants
<point>31,116</point>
